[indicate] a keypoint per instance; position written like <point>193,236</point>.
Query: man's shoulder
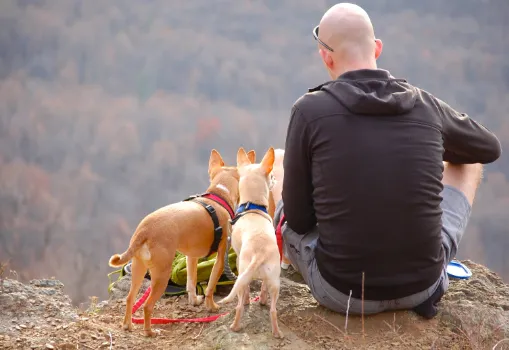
<point>313,102</point>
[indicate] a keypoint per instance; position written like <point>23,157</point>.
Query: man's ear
<point>242,158</point>
<point>267,162</point>
<point>326,58</point>
<point>378,48</point>
<point>252,156</point>
<point>215,162</point>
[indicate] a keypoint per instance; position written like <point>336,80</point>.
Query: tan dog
<point>253,239</point>
<point>185,227</point>
<point>275,194</point>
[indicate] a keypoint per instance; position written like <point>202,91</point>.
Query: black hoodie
<point>363,160</point>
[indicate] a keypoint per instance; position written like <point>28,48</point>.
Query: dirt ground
<point>474,314</point>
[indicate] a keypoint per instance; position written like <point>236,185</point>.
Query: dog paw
<point>195,300</point>
<point>150,333</point>
<point>127,327</point>
<point>278,334</point>
<point>211,306</point>
<point>235,327</point>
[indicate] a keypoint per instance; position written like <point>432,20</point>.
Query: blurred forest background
<point>109,109</point>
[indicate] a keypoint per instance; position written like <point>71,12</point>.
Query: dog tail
<point>242,281</point>
<point>118,260</point>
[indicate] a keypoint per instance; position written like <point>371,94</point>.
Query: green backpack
<point>178,279</point>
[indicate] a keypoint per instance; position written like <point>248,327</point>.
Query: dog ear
<point>242,158</point>
<point>267,162</point>
<point>252,156</point>
<point>215,161</point>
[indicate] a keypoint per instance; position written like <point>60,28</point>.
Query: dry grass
<point>495,347</point>
<point>394,328</point>
<point>481,336</point>
<point>331,324</point>
<point>362,304</point>
<point>347,310</point>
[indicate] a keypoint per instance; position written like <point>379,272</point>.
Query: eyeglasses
<point>315,34</point>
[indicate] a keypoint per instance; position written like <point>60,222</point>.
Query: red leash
<point>279,237</point>
<point>174,320</point>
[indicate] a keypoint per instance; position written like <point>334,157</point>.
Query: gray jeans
<point>300,250</point>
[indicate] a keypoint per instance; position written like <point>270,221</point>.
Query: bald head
<point>346,28</point>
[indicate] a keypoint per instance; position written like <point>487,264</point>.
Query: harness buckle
<point>210,209</point>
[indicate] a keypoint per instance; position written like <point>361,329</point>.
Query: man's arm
<point>465,140</point>
<point>297,183</point>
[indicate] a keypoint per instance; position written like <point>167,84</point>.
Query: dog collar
<point>251,206</point>
<point>221,202</point>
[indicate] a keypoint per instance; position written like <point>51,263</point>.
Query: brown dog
<point>253,239</point>
<point>186,227</point>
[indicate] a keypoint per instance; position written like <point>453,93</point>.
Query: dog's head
<point>255,179</point>
<point>252,158</point>
<point>224,177</point>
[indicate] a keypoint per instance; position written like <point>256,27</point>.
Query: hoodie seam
<point>388,120</point>
<point>371,79</point>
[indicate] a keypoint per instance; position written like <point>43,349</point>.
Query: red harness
<point>220,201</point>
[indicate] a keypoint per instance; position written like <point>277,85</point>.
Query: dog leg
<point>274,295</point>
<point>138,270</point>
<point>192,271</point>
<point>239,310</point>
<point>247,300</point>
<point>159,281</point>
<point>217,269</point>
<point>263,294</point>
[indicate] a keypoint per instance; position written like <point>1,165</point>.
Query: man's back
<point>364,161</point>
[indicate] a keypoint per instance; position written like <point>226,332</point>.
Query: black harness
<point>218,230</point>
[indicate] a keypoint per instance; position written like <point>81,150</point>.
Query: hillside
<point>474,314</point>
<point>109,110</point>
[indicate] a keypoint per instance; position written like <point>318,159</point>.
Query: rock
<point>466,306</point>
<point>31,307</point>
<point>45,283</point>
<point>120,288</point>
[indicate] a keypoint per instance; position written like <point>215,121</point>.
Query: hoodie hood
<point>372,92</point>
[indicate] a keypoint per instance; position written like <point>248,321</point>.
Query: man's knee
<point>464,177</point>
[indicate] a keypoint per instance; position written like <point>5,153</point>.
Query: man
<point>380,178</point>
